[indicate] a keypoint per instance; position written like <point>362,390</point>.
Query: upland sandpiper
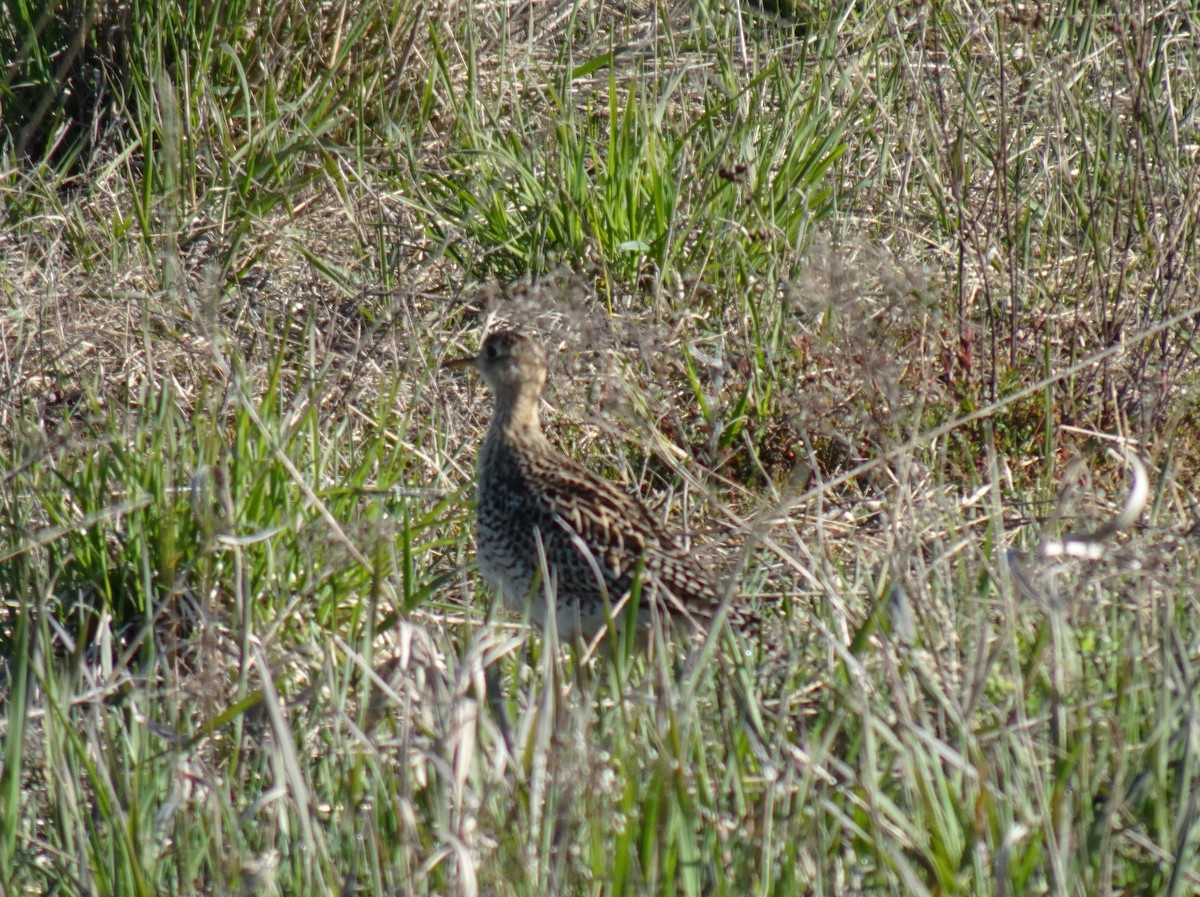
<point>548,526</point>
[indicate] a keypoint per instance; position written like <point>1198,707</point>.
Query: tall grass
<point>841,292</point>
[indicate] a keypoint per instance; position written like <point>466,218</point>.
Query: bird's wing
<point>598,518</point>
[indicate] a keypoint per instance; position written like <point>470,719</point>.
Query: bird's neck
<point>515,418</point>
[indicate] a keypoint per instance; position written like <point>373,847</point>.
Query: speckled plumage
<point>535,502</point>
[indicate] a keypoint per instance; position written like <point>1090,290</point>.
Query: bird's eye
<point>490,350</point>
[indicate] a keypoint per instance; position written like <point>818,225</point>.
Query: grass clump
<point>843,292</point>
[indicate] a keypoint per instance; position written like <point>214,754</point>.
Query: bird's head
<point>509,361</point>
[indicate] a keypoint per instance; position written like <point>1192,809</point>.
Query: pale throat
<point>516,413</point>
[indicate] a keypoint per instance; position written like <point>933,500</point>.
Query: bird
<point>548,526</point>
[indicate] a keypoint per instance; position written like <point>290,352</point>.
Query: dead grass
<point>841,294</point>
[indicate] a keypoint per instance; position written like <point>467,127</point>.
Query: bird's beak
<point>455,363</point>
